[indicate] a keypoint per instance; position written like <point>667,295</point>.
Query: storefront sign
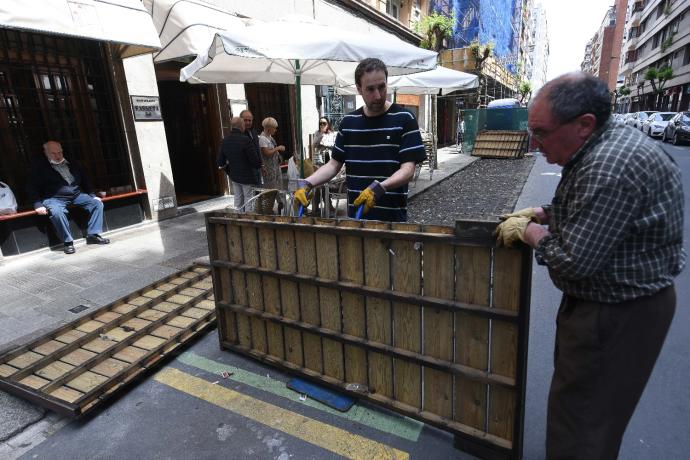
<point>407,99</point>
<point>146,108</point>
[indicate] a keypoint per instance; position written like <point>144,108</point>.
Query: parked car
<point>642,117</point>
<point>631,118</point>
<point>654,125</point>
<point>678,129</point>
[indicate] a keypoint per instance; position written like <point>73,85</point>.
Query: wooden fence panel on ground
<point>430,321</point>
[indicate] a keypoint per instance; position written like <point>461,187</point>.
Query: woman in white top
<point>270,153</point>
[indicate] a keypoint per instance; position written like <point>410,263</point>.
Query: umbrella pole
<point>298,121</point>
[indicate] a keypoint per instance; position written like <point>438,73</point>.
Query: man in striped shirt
<point>613,246</point>
<point>379,144</point>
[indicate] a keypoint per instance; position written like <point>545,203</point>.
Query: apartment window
<point>655,41</point>
<point>660,9</point>
<point>686,58</point>
<point>393,8</point>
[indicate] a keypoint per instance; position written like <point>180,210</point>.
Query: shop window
<point>58,88</point>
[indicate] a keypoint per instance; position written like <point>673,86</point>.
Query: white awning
<point>125,23</point>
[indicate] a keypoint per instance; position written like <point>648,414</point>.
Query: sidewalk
<point>43,290</point>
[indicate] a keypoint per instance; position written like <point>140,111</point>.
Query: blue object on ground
<point>328,397</point>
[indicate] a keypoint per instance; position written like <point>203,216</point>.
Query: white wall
<point>153,146</point>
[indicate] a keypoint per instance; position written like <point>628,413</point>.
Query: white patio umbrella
<point>186,28</point>
<point>300,52</point>
<point>440,80</point>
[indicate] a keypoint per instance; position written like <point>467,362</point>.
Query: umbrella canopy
<point>187,27</point>
<point>441,79</point>
<point>279,51</point>
<point>299,51</point>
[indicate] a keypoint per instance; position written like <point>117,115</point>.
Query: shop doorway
<point>273,100</point>
<point>193,136</point>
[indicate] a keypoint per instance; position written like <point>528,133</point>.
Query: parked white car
<point>631,118</point>
<point>654,125</point>
<point>642,117</point>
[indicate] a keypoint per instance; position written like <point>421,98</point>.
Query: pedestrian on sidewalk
<point>613,246</point>
<point>240,160</point>
<point>249,131</point>
<point>380,145</point>
<point>56,183</point>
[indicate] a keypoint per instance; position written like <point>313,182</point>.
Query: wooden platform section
<point>429,321</point>
<point>72,369</point>
<point>500,144</point>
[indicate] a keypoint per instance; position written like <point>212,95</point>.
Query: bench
<point>26,231</point>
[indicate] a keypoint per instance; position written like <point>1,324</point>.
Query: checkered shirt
<point>616,220</point>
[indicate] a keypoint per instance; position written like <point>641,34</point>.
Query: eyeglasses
<point>539,134</point>
<point>323,122</point>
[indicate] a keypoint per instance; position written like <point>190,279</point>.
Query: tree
<point>658,77</point>
<point>481,52</point>
<point>435,28</point>
<point>525,91</point>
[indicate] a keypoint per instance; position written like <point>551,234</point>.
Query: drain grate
<point>78,309</point>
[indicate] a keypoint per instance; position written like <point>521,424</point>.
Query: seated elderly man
<point>56,183</point>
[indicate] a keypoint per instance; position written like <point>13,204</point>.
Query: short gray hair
<point>237,122</point>
<point>269,122</point>
<point>574,94</point>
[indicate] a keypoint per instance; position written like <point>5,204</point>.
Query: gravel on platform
<point>484,190</point>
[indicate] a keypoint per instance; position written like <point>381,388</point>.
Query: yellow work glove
<point>511,230</point>
<point>527,212</point>
<point>369,196</point>
<point>302,194</point>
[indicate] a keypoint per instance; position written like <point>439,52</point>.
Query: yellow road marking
<point>312,431</point>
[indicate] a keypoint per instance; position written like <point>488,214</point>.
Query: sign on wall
<point>146,108</point>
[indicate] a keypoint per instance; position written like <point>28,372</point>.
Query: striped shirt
<point>373,148</point>
<point>616,220</point>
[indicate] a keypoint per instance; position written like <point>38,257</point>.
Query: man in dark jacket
<point>240,160</point>
<point>249,131</point>
<point>57,183</point>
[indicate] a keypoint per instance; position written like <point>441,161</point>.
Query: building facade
<point>657,36</point>
<point>539,48</point>
<point>603,51</point>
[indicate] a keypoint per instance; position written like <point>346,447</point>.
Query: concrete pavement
<point>43,290</point>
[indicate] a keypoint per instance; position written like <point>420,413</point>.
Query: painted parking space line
<point>403,427</point>
<point>320,434</point>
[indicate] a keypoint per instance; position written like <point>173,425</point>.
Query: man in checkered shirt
<point>613,246</point>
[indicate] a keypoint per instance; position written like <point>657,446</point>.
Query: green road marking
<point>403,427</point>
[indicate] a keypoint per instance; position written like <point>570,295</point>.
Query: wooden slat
<point>218,249</point>
<point>354,313</point>
<point>329,299</point>
<point>504,356</point>
<point>255,298</point>
<point>272,299</point>
<point>439,273</point>
<point>407,277</point>
<point>289,293</point>
<point>309,296</point>
<point>473,269</point>
<point>239,287</point>
<point>377,273</point>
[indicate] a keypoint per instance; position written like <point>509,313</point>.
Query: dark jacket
<point>254,136</point>
<point>45,182</point>
<point>240,158</point>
